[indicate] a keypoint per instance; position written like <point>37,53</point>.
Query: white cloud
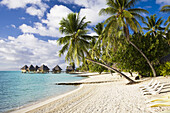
<point>55,15</point>
<point>37,7</point>
<point>35,11</point>
<point>27,49</point>
<point>38,28</point>
<point>12,25</point>
<point>51,27</point>
<point>22,18</point>
<point>163,2</point>
<point>91,10</point>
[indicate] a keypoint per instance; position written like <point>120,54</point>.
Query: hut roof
<point>24,67</point>
<point>31,68</point>
<point>165,59</point>
<point>57,68</point>
<point>36,67</point>
<point>44,67</point>
<point>70,68</point>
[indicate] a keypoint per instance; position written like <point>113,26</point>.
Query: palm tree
<point>124,16</point>
<point>166,9</point>
<point>153,25</point>
<point>76,41</point>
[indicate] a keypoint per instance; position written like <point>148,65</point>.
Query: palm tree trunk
<point>153,70</point>
<point>110,68</point>
<point>126,30</point>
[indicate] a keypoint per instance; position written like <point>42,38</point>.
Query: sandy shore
<point>111,97</point>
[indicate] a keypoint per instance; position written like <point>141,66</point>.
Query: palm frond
<point>64,49</point>
<point>165,8</point>
<point>130,3</point>
<point>138,16</point>
<point>138,10</point>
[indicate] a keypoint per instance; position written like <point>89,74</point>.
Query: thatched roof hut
<point>36,68</point>
<point>24,69</point>
<point>165,59</point>
<point>56,69</point>
<point>69,69</point>
<point>31,68</point>
<point>43,69</point>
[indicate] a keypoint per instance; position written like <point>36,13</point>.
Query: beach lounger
<point>160,99</point>
<point>159,104</point>
<point>150,87</point>
<point>165,98</point>
<point>145,86</point>
<point>154,92</point>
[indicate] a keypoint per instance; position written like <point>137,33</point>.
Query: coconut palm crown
<point>76,41</point>
<point>122,11</point>
<point>153,25</point>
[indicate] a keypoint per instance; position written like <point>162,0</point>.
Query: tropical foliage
<point>120,44</point>
<point>153,25</point>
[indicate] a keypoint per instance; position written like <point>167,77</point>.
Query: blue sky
<point>29,28</point>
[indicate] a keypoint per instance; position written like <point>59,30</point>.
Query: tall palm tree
<point>76,40</point>
<point>124,16</point>
<point>153,25</point>
<point>77,43</point>
<point>166,9</point>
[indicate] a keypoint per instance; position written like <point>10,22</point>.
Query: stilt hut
<point>31,69</point>
<point>43,69</point>
<point>24,69</point>
<point>36,68</point>
<point>69,69</point>
<point>57,69</point>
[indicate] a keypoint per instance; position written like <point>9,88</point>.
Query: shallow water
<point>18,89</point>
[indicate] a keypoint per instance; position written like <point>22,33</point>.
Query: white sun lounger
<point>159,104</point>
<point>154,92</point>
<point>149,84</point>
<point>150,89</point>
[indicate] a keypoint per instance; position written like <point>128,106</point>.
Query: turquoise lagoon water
<point>18,89</point>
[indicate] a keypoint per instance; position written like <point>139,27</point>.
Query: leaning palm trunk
<point>153,70</point>
<point>110,68</point>
<point>128,38</point>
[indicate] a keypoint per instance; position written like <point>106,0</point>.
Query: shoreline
<point>97,98</point>
<point>15,110</point>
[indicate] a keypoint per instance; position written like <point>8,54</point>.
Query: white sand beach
<point>110,97</point>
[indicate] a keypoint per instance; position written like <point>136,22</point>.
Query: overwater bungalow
<point>24,69</point>
<point>31,69</point>
<point>56,69</point>
<point>43,69</point>
<point>36,68</point>
<point>69,69</point>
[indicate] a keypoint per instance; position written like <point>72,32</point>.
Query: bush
<point>165,69</point>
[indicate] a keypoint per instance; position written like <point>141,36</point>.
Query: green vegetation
<point>120,44</point>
